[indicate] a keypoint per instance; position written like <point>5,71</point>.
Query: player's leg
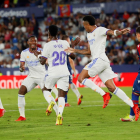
<point>75,90</point>
<point>2,110</point>
<point>27,85</point>
<point>122,95</point>
<point>55,91</point>
<point>62,84</point>
<point>83,78</point>
<point>129,118</point>
<point>66,97</point>
<point>134,112</point>
<point>49,84</point>
<point>77,93</point>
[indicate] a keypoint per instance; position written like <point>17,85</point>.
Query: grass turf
<point>89,121</point>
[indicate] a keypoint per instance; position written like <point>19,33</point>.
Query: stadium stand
<point>15,31</point>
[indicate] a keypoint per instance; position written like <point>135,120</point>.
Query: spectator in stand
<point>102,15</point>
<point>129,58</point>
<point>126,16</point>
<point>115,14</point>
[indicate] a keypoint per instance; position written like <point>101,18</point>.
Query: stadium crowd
<point>14,33</point>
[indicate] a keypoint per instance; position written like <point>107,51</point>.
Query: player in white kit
<point>100,64</point>
<point>58,72</point>
<point>36,77</point>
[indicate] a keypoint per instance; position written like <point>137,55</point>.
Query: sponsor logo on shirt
<point>91,41</point>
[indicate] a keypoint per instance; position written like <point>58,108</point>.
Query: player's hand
<point>36,53</point>
<point>70,50</point>
<point>22,68</point>
<point>75,74</point>
<point>125,31</point>
<point>75,42</point>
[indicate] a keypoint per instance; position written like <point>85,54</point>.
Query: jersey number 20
<point>59,58</point>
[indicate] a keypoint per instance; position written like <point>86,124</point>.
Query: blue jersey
<point>138,52</point>
<point>136,85</point>
<point>68,65</point>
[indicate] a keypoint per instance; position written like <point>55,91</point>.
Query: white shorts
<point>30,83</point>
<point>62,82</point>
<point>101,68</point>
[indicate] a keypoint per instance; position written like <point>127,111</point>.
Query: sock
<point>66,97</point>
<point>93,86</point>
<point>61,104</point>
<point>1,106</point>
<point>21,105</point>
<point>75,90</point>
<point>55,91</point>
<point>135,99</point>
<point>49,98</point>
<point>118,92</point>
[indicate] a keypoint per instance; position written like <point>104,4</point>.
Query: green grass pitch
<point>89,121</point>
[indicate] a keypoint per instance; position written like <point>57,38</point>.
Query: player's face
<point>32,42</point>
<point>86,26</point>
<point>138,36</point>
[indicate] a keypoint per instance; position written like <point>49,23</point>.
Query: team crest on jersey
<point>27,56</point>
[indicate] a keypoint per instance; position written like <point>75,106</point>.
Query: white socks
<point>118,92</point>
<point>21,105</point>
<point>55,91</point>
<point>93,86</point>
<point>61,105</point>
<point>1,106</point>
<point>75,90</point>
<point>49,98</point>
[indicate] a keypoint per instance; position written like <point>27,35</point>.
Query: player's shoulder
<point>64,42</point>
<point>39,49</point>
<point>26,50</point>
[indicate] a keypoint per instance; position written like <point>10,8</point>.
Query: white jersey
<point>57,57</point>
<point>97,42</point>
<point>36,70</point>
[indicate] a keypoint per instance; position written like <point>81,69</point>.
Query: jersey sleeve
<point>45,52</point>
<point>22,57</point>
<point>103,31</point>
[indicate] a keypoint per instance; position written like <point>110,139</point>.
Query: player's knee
<point>80,79</point>
<point>22,90</point>
<point>111,88</point>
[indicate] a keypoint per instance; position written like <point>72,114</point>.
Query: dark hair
<point>138,29</point>
<point>64,37</point>
<point>89,19</point>
<point>53,30</point>
<point>31,36</point>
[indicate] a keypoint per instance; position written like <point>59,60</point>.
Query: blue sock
<point>135,99</point>
<point>66,98</point>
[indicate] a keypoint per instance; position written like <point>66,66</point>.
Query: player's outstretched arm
<point>117,32</point>
<point>22,66</point>
<point>85,51</point>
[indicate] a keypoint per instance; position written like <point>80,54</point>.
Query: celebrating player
<point>2,110</point>
<point>100,64</point>
<point>136,86</point>
<point>36,77</point>
<point>58,71</point>
<point>71,66</point>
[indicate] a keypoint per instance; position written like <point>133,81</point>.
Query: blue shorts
<point>136,85</point>
<point>70,79</point>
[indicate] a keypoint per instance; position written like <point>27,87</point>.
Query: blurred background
<point>21,18</point>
